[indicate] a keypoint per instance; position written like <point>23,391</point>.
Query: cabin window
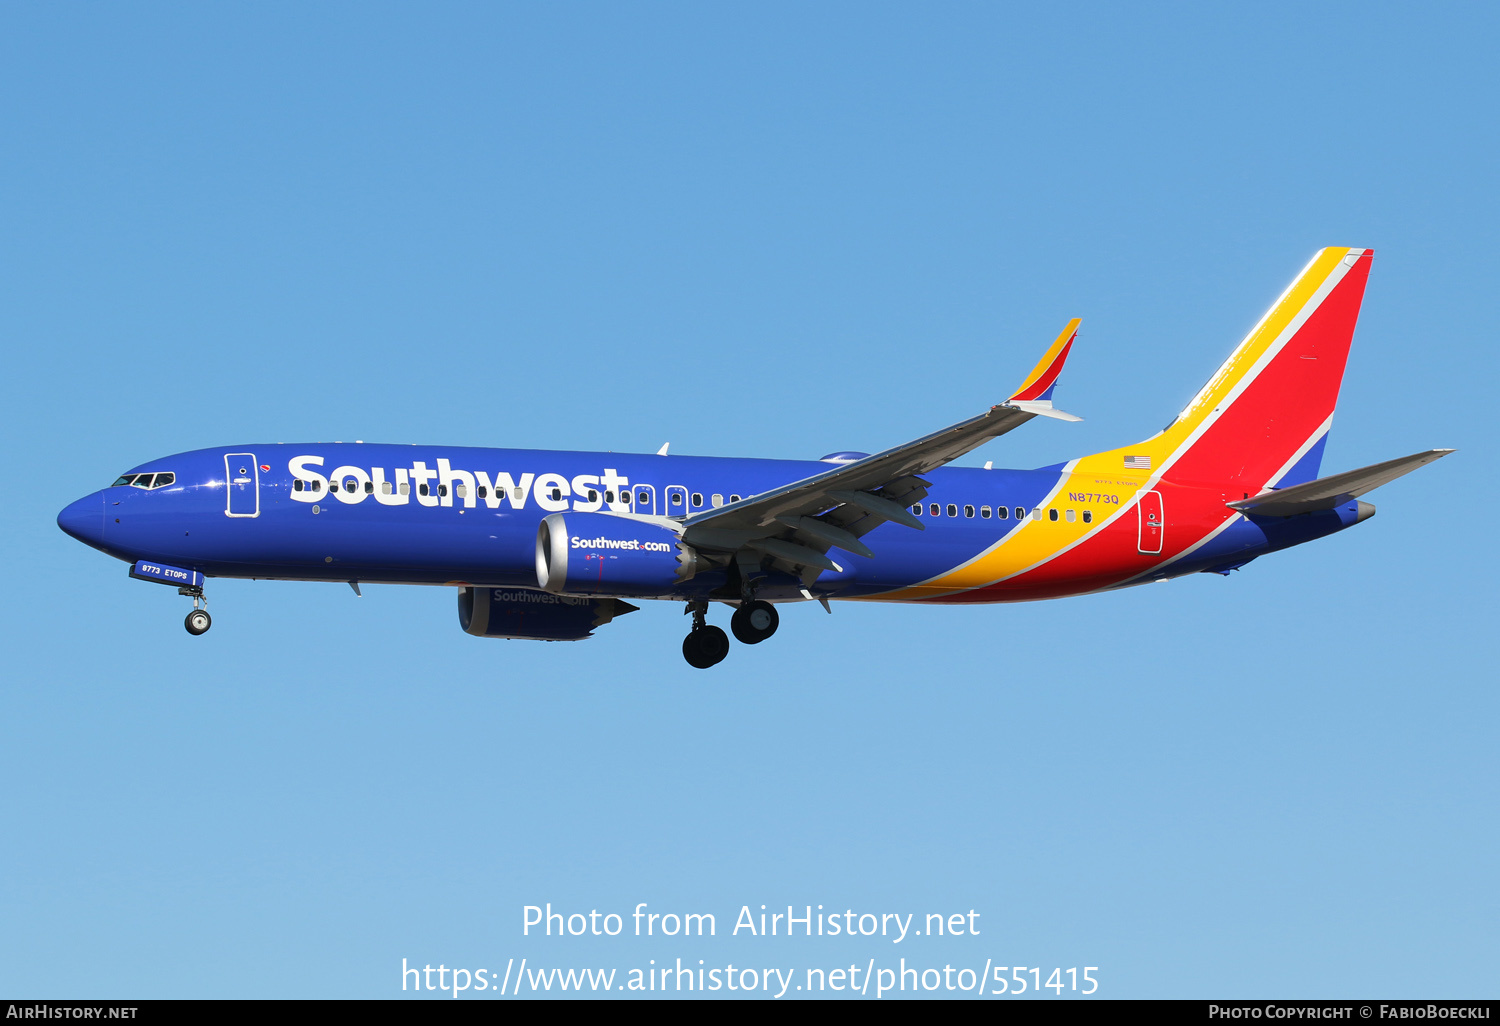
<point>1036,514</point>
<point>369,487</point>
<point>333,486</point>
<point>734,498</point>
<point>297,485</point>
<point>697,499</point>
<point>677,498</point>
<point>1052,515</point>
<point>593,495</point>
<point>935,509</point>
<point>609,496</point>
<point>481,491</point>
<point>625,498</point>
<point>984,511</point>
<point>461,490</point>
<point>716,499</point>
<point>404,488</point>
<point>969,512</point>
<point>1088,516</point>
<point>443,490</point>
<point>917,509</point>
<point>1072,516</point>
<point>385,488</point>
<point>556,494</point>
<point>1003,512</point>
<point>422,489</point>
<point>952,509</point>
<point>515,493</point>
<point>1020,513</point>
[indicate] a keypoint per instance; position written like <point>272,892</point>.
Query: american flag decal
<point>1137,462</point>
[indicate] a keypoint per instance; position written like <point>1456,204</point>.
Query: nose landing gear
<point>198,621</point>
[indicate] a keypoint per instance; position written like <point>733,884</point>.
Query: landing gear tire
<point>754,622</point>
<point>198,622</point>
<point>705,646</point>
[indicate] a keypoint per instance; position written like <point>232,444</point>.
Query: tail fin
<point>1263,417</point>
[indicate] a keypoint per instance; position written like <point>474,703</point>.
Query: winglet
<point>1042,380</point>
<point>1035,393</point>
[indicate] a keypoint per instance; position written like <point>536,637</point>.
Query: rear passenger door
<point>1149,513</point>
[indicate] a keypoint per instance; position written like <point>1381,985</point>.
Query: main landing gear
<point>753,622</point>
<point>198,621</point>
<point>705,644</point>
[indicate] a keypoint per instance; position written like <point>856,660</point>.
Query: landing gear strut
<point>705,644</point>
<point>198,621</point>
<point>754,622</point>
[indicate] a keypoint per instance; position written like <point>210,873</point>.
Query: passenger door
<point>242,482</point>
<point>1149,514</point>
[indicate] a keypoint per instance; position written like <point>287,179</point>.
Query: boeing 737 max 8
<point>551,545</point>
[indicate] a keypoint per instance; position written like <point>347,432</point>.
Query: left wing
<point>796,524</point>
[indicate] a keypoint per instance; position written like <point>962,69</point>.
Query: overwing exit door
<point>1148,512</point>
<point>242,482</point>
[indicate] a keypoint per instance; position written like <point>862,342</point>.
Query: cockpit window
<point>145,480</point>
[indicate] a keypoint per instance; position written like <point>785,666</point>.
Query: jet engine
<point>534,615</point>
<point>600,554</point>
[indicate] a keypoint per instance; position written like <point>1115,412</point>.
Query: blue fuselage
<point>448,515</point>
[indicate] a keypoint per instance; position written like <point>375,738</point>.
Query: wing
<point>795,525</point>
<point>1328,492</point>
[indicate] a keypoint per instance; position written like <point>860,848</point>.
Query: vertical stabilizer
<point>1263,417</point>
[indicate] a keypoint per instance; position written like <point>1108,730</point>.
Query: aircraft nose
<point>84,519</point>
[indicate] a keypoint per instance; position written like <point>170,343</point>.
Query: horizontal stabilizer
<point>1328,492</point>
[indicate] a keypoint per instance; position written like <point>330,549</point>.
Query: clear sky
<point>768,230</point>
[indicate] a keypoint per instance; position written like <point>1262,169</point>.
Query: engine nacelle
<point>534,615</point>
<point>599,554</point>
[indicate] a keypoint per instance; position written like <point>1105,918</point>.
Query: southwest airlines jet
<point>552,545</point>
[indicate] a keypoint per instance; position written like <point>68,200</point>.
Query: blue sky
<point>766,230</point>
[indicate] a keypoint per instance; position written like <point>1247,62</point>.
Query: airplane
<point>549,545</point>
